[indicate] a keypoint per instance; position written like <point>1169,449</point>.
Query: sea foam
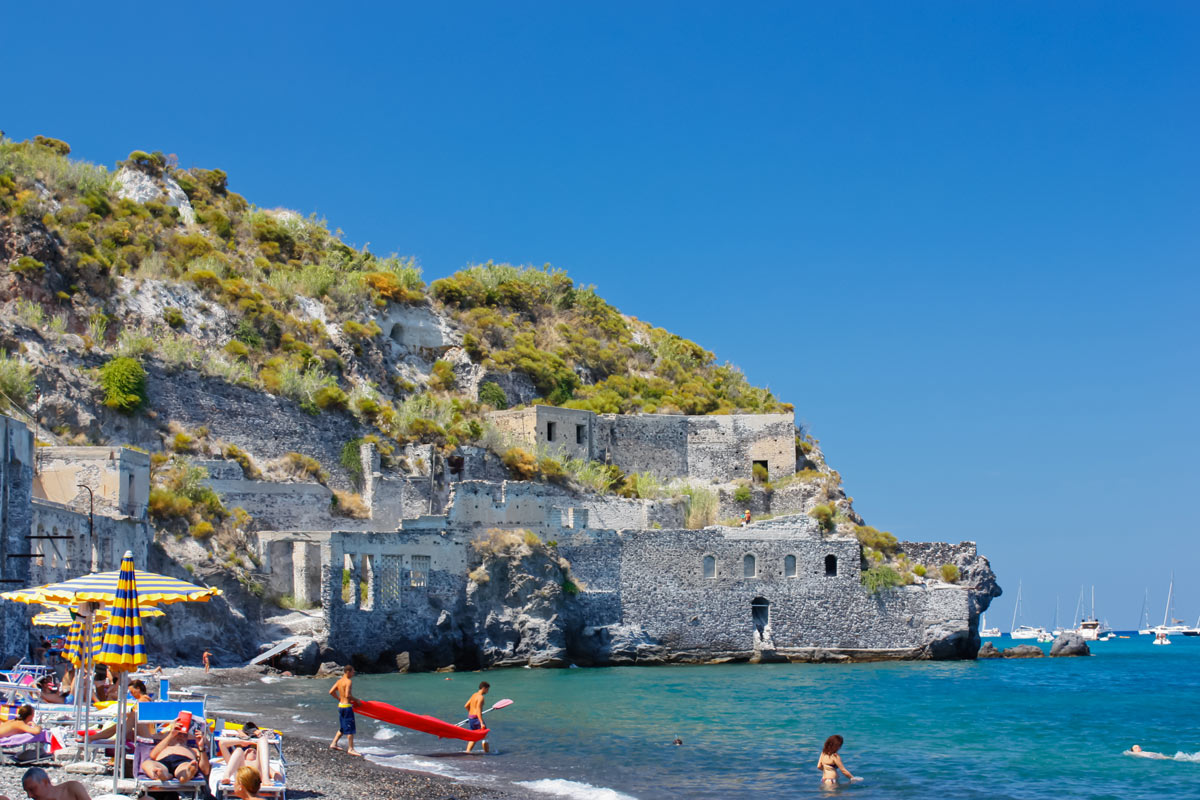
<point>577,791</point>
<point>385,734</point>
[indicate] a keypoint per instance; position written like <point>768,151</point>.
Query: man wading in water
<point>346,703</point>
<point>474,708</point>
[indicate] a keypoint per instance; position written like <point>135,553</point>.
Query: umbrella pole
<point>83,694</point>
<point>119,745</point>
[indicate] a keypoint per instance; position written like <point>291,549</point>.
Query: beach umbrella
<point>60,616</point>
<point>123,648</point>
<point>101,587</point>
<point>72,651</point>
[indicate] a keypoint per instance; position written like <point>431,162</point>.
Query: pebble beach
<point>314,771</point>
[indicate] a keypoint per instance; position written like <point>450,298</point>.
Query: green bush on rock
<point>124,383</point>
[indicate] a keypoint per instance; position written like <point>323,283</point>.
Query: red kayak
<point>418,722</point>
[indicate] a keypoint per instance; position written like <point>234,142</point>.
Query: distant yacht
<point>1091,629</point>
<point>1023,631</point>
<point>984,630</point>
<point>1146,630</point>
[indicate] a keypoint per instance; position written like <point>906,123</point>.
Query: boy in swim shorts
<point>474,708</point>
<point>346,703</point>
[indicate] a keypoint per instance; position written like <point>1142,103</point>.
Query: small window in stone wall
<point>550,431</point>
<point>710,567</point>
<point>580,434</point>
<point>830,566</point>
<point>419,574</point>
<point>748,567</point>
<point>789,566</point>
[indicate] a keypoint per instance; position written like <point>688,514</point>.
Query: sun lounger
<point>16,749</point>
<point>272,786</point>
<point>160,712</point>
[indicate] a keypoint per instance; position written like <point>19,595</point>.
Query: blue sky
<point>961,238</point>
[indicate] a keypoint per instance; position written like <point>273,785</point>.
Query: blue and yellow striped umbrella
<point>101,587</point>
<point>71,651</point>
<point>62,617</point>
<point>124,649</point>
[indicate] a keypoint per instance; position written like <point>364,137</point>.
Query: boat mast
<point>1078,606</point>
<point>1146,610</point>
<point>1170,592</point>
<point>1093,601</point>
<point>1016,608</point>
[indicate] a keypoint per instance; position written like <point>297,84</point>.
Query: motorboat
<point>985,631</point>
<point>1091,629</point>
<point>1161,638</point>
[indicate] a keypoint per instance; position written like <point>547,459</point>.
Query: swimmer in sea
<point>1137,750</point>
<point>830,763</point>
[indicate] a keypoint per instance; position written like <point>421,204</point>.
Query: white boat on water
<point>1175,626</point>
<point>1091,629</point>
<point>1161,638</point>
<point>985,631</point>
<point>1023,631</point>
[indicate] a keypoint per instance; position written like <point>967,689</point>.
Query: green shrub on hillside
<point>441,377</point>
<point>825,515</point>
<point>882,541</point>
<point>124,384</point>
<point>949,573</point>
<point>173,317</point>
<point>701,507</point>
<point>879,578</point>
<point>16,381</point>
<point>28,266</point>
<point>492,394</point>
<point>742,494</point>
<point>920,570</point>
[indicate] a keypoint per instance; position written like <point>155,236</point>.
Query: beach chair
<point>156,713</point>
<point>26,749</point>
<point>273,787</point>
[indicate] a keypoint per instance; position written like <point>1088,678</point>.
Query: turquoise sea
<point>1036,728</point>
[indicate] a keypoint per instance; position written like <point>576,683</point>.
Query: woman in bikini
<point>830,763</point>
<point>255,753</point>
<point>22,724</point>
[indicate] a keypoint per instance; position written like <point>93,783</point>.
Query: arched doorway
<point>760,612</point>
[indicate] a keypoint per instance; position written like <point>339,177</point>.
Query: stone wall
<point>264,425</point>
<point>96,545</point>
<point>547,509</point>
<point>16,492</point>
<point>566,431</point>
<point>119,478</point>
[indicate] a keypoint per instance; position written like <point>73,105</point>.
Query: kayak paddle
<point>498,704</point>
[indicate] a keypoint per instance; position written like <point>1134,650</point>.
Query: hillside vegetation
<point>68,234</point>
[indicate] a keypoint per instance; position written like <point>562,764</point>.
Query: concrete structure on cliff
<point>779,590</point>
<point>718,448</point>
<point>64,511</point>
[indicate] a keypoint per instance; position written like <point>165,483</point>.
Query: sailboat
<point>1023,631</point>
<point>1194,631</point>
<point>1058,629</point>
<point>1146,630</point>
<point>1176,625</point>
<point>984,630</point>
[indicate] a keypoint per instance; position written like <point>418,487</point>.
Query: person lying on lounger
<point>255,753</point>
<point>22,724</point>
<point>172,758</point>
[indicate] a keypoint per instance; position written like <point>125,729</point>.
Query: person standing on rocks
<point>346,703</point>
<point>474,708</point>
<point>206,658</point>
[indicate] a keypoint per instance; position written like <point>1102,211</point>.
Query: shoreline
<point>315,772</point>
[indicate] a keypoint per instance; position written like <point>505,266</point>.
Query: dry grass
<point>500,542</point>
<point>348,504</point>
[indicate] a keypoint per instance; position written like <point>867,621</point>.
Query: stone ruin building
<point>618,580</point>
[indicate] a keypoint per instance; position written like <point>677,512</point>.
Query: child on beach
<point>830,763</point>
<point>346,703</point>
<point>474,708</point>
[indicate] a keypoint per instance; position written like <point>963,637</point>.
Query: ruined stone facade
<point>53,528</point>
<point>780,589</point>
<point>717,448</point>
